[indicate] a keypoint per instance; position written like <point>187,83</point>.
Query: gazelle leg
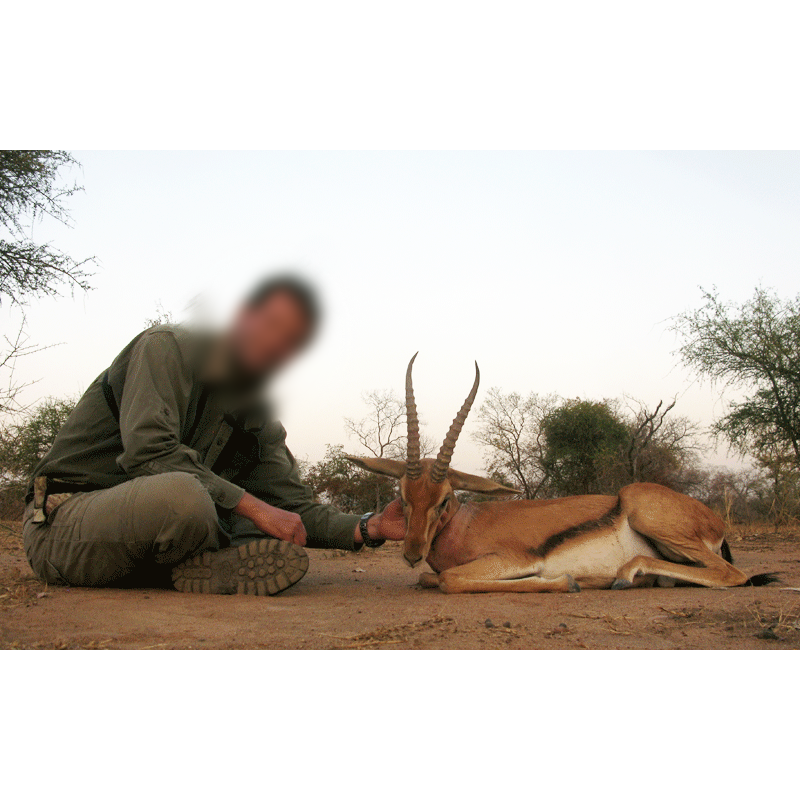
<point>494,574</point>
<point>429,580</point>
<point>716,571</point>
<point>682,530</point>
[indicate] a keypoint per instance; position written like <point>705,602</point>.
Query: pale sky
<point>557,271</point>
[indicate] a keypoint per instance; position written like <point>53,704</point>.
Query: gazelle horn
<point>413,465</point>
<point>439,470</point>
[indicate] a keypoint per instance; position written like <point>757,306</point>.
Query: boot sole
<point>262,568</point>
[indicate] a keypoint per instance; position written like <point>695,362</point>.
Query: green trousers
<point>131,534</point>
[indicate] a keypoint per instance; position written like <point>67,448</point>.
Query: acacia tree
<point>29,191</point>
<point>338,481</point>
<point>25,441</point>
<point>646,426</point>
<point>583,442</point>
<point>382,432</point>
<point>510,428</point>
<point>16,346</point>
<point>782,477</point>
<point>736,495</point>
<point>754,346</point>
<point>549,446</point>
<point>662,448</point>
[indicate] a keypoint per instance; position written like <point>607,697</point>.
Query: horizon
<point>558,272</point>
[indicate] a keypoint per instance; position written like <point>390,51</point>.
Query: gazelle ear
<point>383,466</point>
<point>473,483</point>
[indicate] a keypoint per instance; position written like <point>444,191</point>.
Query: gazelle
<point>645,535</point>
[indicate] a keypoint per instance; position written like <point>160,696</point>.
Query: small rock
<point>506,624</point>
<point>489,623</point>
<point>40,595</point>
<point>358,569</point>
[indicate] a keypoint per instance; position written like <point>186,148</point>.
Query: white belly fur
<point>597,558</point>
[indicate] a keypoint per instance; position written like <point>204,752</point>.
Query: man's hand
<point>272,521</point>
<point>389,524</point>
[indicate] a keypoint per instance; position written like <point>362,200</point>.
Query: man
<point>171,462</point>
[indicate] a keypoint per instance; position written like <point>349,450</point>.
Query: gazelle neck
<point>453,507</point>
<point>448,544</point>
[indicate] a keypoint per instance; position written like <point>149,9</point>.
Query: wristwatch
<point>369,541</point>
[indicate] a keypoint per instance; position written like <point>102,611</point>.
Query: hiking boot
<point>263,567</point>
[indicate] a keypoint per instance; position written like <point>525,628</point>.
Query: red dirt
<point>369,601</point>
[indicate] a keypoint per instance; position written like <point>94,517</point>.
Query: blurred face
<point>264,337</point>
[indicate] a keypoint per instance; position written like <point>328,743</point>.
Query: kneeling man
<point>170,466</point>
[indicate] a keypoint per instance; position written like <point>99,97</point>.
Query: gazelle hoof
<point>621,583</point>
<point>572,584</point>
<point>428,580</point>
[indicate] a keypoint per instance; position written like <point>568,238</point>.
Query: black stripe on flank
<point>557,539</point>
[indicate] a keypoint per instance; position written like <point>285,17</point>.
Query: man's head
<point>275,322</point>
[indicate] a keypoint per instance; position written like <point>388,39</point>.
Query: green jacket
<point>161,411</point>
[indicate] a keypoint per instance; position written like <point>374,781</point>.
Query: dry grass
<point>762,620</point>
<point>399,634</point>
<point>21,590</point>
<point>756,535</point>
<point>775,623</point>
<point>17,587</point>
<point>75,644</point>
<point>10,536</point>
<point>621,625</point>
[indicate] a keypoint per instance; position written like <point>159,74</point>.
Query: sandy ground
<point>370,601</point>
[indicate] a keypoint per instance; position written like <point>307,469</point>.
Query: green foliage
<point>25,441</point>
<point>755,346</point>
<point>549,447</point>
<point>582,437</point>
<point>336,480</point>
<point>29,191</point>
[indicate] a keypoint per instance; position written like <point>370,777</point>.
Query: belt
<point>44,485</point>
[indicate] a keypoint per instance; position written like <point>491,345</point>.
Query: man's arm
<point>274,521</point>
<point>275,482</point>
<point>286,525</point>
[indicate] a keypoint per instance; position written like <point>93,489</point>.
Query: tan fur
<point>646,534</point>
<point>491,547</point>
<point>494,547</point>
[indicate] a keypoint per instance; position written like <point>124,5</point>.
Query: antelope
<point>645,535</point>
